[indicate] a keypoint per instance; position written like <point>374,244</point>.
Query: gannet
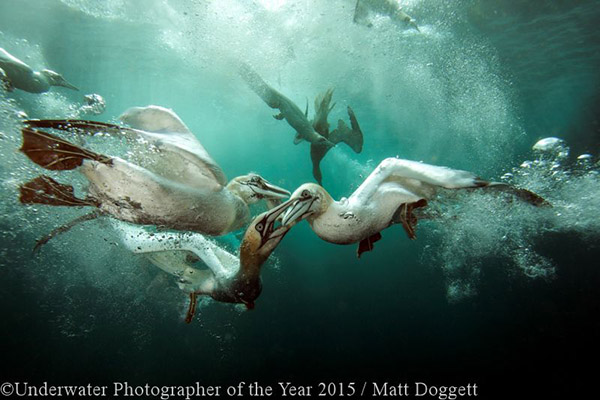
<point>21,76</point>
<point>229,278</point>
<point>317,129</point>
<point>182,189</point>
<point>387,196</point>
<point>287,109</point>
<point>389,8</point>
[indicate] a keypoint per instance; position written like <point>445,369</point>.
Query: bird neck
<point>328,207</point>
<point>238,191</point>
<point>233,195</point>
<point>245,286</point>
<point>250,261</point>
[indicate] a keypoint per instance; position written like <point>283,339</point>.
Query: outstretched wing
<point>180,157</point>
<point>415,181</point>
<point>317,153</point>
<point>410,181</point>
<point>184,158</point>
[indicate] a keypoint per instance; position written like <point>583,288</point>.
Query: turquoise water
<point>497,293</point>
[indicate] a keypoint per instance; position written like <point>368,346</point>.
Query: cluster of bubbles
<point>68,273</point>
<point>379,68</point>
<point>93,104</point>
<point>483,228</point>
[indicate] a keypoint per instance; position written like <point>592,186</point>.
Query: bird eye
<point>305,193</point>
<point>255,179</point>
<point>259,227</point>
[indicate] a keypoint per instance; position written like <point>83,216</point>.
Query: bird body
<point>389,195</point>
<point>184,189</point>
<point>21,76</point>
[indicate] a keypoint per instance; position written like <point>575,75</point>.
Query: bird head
<point>308,201</point>
<point>56,79</point>
<point>252,188</point>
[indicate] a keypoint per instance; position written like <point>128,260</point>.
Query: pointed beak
<point>66,84</point>
<point>274,214</point>
<point>269,219</point>
<point>298,210</point>
<point>270,191</point>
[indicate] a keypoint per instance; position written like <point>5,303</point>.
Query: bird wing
<point>178,156</point>
<point>189,159</point>
<point>412,180</point>
<point>317,153</point>
<point>8,61</point>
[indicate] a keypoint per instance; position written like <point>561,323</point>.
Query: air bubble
<point>551,148</point>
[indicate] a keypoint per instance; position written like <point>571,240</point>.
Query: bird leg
<point>191,308</point>
<point>404,215</point>
<point>65,228</point>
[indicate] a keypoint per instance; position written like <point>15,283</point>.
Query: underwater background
<point>500,294</point>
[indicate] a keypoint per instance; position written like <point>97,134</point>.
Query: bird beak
<point>269,219</point>
<point>297,209</point>
<point>63,82</point>
<point>268,190</point>
<point>273,215</point>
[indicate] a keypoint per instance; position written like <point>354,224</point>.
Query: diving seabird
<point>387,196</point>
<point>228,278</point>
<point>16,74</point>
<point>184,190</point>
<point>288,110</point>
<point>315,131</point>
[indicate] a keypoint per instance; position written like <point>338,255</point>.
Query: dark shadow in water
<point>517,334</point>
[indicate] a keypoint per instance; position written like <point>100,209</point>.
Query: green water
<point>496,293</point>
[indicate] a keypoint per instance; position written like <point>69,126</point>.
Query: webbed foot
<point>368,244</point>
<point>45,190</point>
<point>54,153</point>
<point>404,215</point>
